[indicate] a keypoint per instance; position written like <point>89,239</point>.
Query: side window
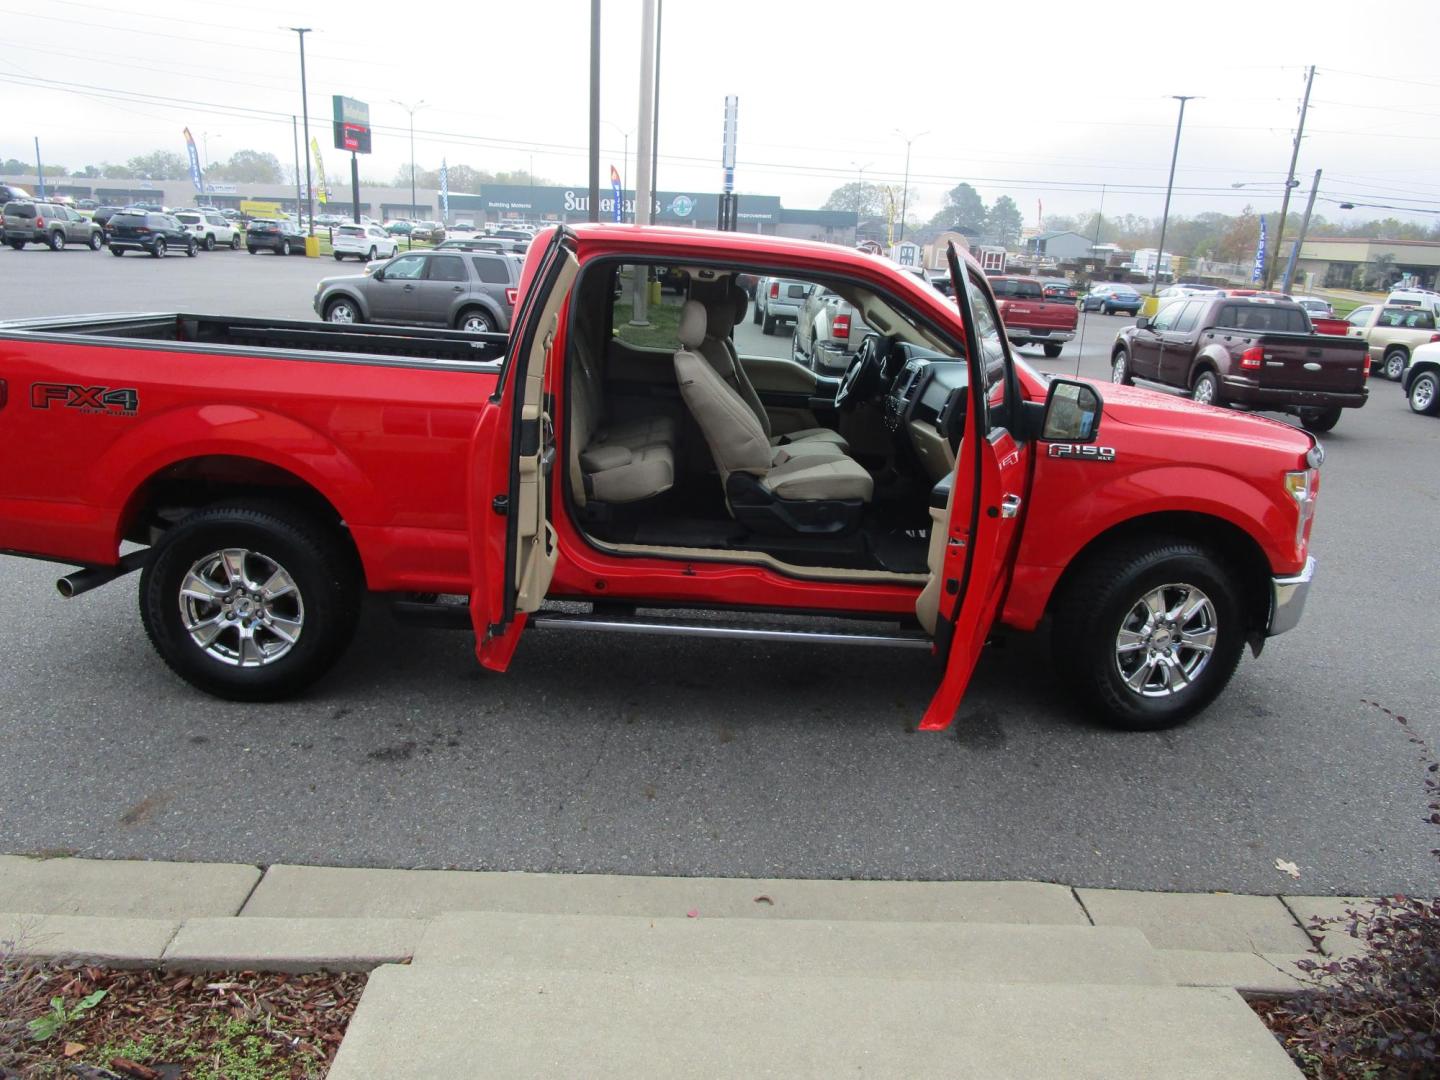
<point>662,329</point>
<point>446,268</point>
<point>1189,317</point>
<point>1360,316</point>
<point>408,268</point>
<point>1166,317</point>
<point>987,330</point>
<point>491,271</point>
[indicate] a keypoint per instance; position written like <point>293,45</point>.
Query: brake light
<point>39,222</point>
<point>841,329</point>
<point>1435,337</point>
<point>1251,358</point>
<point>511,296</point>
<point>774,290</point>
<point>1367,363</point>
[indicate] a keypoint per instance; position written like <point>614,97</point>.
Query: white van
<point>1425,299</point>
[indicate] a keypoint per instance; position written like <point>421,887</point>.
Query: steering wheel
<point>862,377</point>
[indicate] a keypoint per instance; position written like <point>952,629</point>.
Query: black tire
<point>333,310</point>
<point>768,326</point>
<point>1206,388</point>
<point>1091,611</point>
<point>18,245</point>
<point>252,250</point>
<point>1053,351</point>
<point>1106,309</point>
<point>311,551</point>
<point>117,252</point>
<point>1120,368</point>
<point>755,318</point>
<point>1393,366</point>
<point>371,256</point>
<point>235,242</point>
<point>191,248</point>
<point>1424,394</point>
<point>475,321</point>
<point>1319,420</point>
<point>338,256</point>
<point>209,242</point>
<point>97,241</point>
<point>284,247</point>
<point>158,251</point>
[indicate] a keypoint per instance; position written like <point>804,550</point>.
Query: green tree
<point>90,172</point>
<point>248,167</point>
<point>964,209</point>
<point>867,200</point>
<point>158,165</point>
<point>464,178</point>
<point>1380,271</point>
<point>1004,221</point>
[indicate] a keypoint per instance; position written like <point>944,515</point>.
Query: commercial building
<point>1060,245</point>
<point>1333,261</point>
<point>536,204</point>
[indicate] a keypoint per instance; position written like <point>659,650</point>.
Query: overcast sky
<point>1025,100</point>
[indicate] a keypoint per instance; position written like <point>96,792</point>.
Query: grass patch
<point>663,331</point>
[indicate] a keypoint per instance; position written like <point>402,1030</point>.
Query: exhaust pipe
<point>82,581</point>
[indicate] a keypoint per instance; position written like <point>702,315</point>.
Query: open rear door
<point>512,543</point>
<point>986,501</point>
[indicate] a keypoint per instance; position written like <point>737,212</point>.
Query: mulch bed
<point>151,1025</point>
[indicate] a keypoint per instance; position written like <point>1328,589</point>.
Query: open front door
<point>986,501</point>
<point>512,543</point>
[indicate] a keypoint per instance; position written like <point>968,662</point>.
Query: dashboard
<point>925,386</point>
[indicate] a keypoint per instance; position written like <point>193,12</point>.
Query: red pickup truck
<point>272,472</point>
<point>1033,316</point>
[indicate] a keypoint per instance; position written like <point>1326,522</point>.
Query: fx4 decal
<point>86,399</point>
<point>1082,452</point>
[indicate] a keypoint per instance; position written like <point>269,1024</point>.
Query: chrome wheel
<point>1204,391</point>
<point>1424,394</point>
<point>1120,369</point>
<point>1395,366</point>
<point>475,324</point>
<point>241,607</point>
<point>341,312</point>
<point>1166,640</point>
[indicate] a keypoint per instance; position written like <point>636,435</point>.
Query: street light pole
<point>1290,182</point>
<point>411,109</point>
<point>1169,186</point>
<point>905,192</point>
<point>305,112</point>
<point>1300,240</point>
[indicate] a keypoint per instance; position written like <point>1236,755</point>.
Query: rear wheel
<point>1424,396</point>
<point>1052,350</point>
<point>1149,632</point>
<point>209,242</point>
<point>97,241</point>
<point>371,256</point>
<point>1394,365</point>
<point>117,252</point>
<point>56,240</point>
<point>768,326</point>
<point>1206,389</point>
<point>284,247</point>
<point>235,242</point>
<point>190,248</point>
<point>338,256</point>
<point>1319,420</point>
<point>251,601</point>
<point>158,251</point>
<point>251,250</point>
<point>755,318</point>
<point>18,245</point>
<point>474,322</point>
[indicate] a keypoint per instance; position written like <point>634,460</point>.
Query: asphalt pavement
<point>690,757</point>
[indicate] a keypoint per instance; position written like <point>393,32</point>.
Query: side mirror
<point>379,274</point>
<point>1072,412</point>
<point>1142,323</point>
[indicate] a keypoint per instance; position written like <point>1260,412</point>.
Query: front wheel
<point>342,311</point>
<point>474,322</point>
<point>1120,368</point>
<point>1394,366</point>
<point>209,243</point>
<point>1424,396</point>
<point>158,251</point>
<point>338,256</point>
<point>1206,389</point>
<point>755,318</point>
<point>1319,420</point>
<point>57,241</point>
<point>190,248</point>
<point>1149,632</point>
<point>97,241</point>
<point>235,242</point>
<point>117,252</point>
<point>284,247</point>
<point>250,601</point>
<point>371,256</point>
<point>251,250</point>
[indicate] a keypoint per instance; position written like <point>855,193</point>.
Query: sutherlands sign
<point>352,125</point>
<point>672,207</point>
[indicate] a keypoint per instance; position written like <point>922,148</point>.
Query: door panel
<point>1145,354</point>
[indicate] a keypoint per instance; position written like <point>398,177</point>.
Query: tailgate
<point>1312,362</point>
<point>1038,314</point>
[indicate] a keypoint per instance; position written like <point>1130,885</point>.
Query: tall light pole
<point>411,109</point>
<point>905,193</point>
<point>624,157</point>
<point>644,129</point>
<point>305,112</point>
<point>1290,182</point>
<point>1165,218</point>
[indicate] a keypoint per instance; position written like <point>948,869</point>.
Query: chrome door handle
<point>1009,506</point>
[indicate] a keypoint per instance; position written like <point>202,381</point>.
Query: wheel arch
<point>481,304</point>
<point>1418,368</point>
<point>346,294</point>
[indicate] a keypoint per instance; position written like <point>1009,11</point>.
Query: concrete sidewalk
<point>538,974</point>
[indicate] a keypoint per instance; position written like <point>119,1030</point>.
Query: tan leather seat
<point>722,316</point>
<point>738,442</point>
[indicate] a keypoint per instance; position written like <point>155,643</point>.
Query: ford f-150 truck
<point>263,475</point>
<point>1032,318</point>
<point>1250,351</point>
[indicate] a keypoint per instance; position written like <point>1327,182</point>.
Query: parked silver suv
<point>46,223</point>
<point>473,291</point>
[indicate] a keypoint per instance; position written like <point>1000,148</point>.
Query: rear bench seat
<point>620,463</point>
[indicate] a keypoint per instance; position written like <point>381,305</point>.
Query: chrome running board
<point>904,639</point>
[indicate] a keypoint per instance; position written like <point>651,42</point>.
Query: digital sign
<point>352,125</point>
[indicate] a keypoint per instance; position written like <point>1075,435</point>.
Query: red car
<point>274,472</point>
<point>1034,317</point>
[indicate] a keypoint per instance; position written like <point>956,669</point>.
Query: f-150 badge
<point>1082,451</point>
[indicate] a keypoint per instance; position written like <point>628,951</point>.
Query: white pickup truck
<point>779,300</point>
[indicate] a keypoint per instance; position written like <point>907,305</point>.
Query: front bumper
<point>1287,599</point>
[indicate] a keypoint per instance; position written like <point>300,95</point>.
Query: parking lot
<point>681,756</point>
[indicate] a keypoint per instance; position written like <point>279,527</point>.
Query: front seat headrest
<point>693,320</point>
<point>719,317</point>
<point>741,302</point>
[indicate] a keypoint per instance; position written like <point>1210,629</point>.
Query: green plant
<point>47,1026</point>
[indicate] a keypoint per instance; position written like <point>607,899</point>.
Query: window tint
<point>188,219</point>
<point>987,330</point>
<point>1189,317</point>
<point>1167,316</point>
<point>446,268</point>
<point>1360,316</point>
<point>1263,318</point>
<point>350,230</point>
<point>491,271</point>
<point>1010,288</point>
<point>407,268</point>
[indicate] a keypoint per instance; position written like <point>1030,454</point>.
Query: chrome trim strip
<point>897,639</point>
<point>1287,599</point>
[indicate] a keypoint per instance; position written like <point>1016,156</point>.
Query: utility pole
<point>1170,184</point>
<point>39,168</point>
<point>643,129</point>
<point>305,112</point>
<point>295,131</point>
<point>905,194</point>
<point>411,109</point>
<point>655,120</point>
<point>594,200</point>
<point>355,184</point>
<point>1304,228</point>
<point>1290,178</point>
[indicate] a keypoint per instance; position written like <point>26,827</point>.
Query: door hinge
<point>500,504</point>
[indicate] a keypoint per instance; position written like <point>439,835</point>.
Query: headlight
<point>1303,486</point>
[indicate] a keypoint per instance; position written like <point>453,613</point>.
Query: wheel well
<point>341,295</point>
<point>1232,543</point>
<point>1397,348</point>
<point>474,306</point>
<point>1202,366</point>
<point>186,486</point>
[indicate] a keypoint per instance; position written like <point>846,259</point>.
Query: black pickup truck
<point>1252,352</point>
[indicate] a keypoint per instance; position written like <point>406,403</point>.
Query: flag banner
<point>1258,271</point>
<point>323,194</point>
<point>615,189</point>
<point>444,191</point>
<point>196,177</point>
